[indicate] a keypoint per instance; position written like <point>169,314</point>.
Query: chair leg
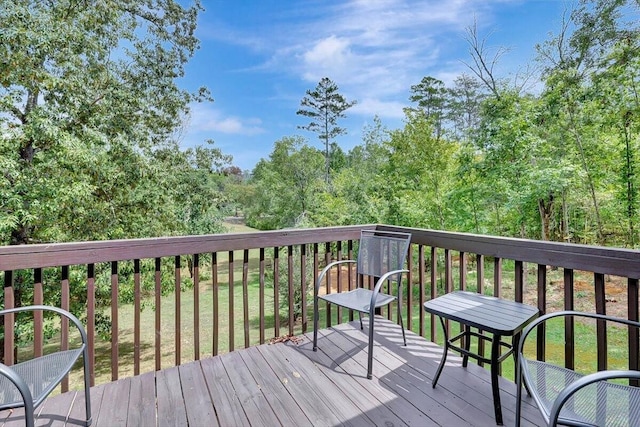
<point>316,315</point>
<point>87,386</point>
<point>370,363</point>
<point>29,413</point>
<point>518,392</point>
<point>404,337</point>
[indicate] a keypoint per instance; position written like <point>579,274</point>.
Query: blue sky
<point>258,57</point>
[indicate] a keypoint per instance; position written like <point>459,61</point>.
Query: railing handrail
<point>597,259</point>
<point>18,257</point>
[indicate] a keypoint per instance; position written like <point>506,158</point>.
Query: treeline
<point>553,157</point>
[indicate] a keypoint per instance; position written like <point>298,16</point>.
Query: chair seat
<point>40,374</point>
<point>358,299</point>
<point>588,405</point>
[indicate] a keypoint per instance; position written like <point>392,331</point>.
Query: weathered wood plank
<point>117,394</point>
<point>393,377</point>
<point>55,410</point>
<point>142,406</point>
<point>283,404</point>
<point>318,384</point>
<point>471,384</point>
<point>248,391</point>
<point>401,407</point>
<point>197,403</point>
<point>77,413</point>
<point>367,402</point>
<point>170,404</point>
<point>316,409</point>
<point>226,403</point>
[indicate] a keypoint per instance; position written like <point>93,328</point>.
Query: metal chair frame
<point>365,300</point>
<point>33,378</point>
<point>558,413</point>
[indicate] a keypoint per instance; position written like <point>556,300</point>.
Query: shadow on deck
<point>288,384</point>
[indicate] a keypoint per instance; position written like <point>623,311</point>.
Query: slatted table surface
<point>289,384</point>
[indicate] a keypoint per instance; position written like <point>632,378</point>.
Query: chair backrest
<point>382,251</point>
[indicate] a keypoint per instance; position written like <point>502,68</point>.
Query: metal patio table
<point>494,318</point>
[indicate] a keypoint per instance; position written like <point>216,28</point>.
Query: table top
<point>491,314</point>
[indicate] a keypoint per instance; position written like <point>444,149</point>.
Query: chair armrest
<point>531,326</point>
<point>381,280</point>
<point>76,322</point>
<point>326,269</point>
<point>580,383</point>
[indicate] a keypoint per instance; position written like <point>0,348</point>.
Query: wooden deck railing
<point>234,265</point>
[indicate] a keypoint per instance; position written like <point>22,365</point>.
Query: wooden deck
<point>288,384</point>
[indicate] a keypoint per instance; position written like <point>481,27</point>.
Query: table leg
<point>467,344</point>
<point>495,355</point>
<point>444,354</point>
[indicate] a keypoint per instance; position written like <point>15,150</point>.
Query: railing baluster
<point>434,288</point>
<point>601,326</point>
<point>91,320</point>
<point>115,342</point>
<point>136,316</point>
<point>327,260</point>
<point>290,287</point>
<point>480,290</point>
<point>448,272</point>
<point>339,278</point>
<point>303,285</point>
<point>245,295</point>
<point>480,273</point>
<point>409,310</point>
<point>177,310</point>
<point>634,341</point>
<point>519,281</point>
<point>216,303</point>
<point>276,291</point>
<point>9,319</point>
<point>38,318</point>
<point>64,321</point>
<point>497,277</point>
<point>463,271</point>
<point>158,311</point>
<point>421,280</point>
<point>261,295</point>
<point>316,267</point>
<point>542,307</point>
<point>569,335</point>
<point>196,307</point>
<point>230,268</point>
<point>350,273</point>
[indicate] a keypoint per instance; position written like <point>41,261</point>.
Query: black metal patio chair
<point>381,254</point>
<point>565,397</point>
<point>27,384</point>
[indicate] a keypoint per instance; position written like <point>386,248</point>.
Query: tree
<point>324,106</point>
<point>431,96</point>
<point>286,186</point>
<point>87,91</point>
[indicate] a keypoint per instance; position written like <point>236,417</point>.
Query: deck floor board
<point>289,384</point>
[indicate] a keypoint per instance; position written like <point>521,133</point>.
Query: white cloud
<point>370,107</point>
<point>375,49</point>
<point>207,119</point>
